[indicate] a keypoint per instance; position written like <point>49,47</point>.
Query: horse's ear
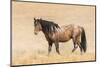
<point>40,18</point>
<point>34,19</point>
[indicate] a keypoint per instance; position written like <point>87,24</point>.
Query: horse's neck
<point>47,35</point>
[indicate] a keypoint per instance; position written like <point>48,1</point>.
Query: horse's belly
<point>63,36</point>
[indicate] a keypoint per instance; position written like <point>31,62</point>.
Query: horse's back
<point>72,30</point>
<point>71,27</point>
<point>64,33</point>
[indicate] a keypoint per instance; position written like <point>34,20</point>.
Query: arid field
<point>28,48</point>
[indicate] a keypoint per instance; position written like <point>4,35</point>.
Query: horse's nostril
<point>35,33</point>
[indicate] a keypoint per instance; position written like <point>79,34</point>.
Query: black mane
<point>48,26</point>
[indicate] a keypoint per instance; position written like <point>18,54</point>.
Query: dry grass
<point>30,49</point>
<point>29,58</point>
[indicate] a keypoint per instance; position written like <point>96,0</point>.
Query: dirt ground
<point>28,48</point>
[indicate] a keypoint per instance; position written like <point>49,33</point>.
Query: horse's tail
<point>83,40</point>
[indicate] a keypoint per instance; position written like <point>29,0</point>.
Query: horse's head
<point>37,26</point>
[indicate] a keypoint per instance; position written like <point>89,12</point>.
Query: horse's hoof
<point>59,54</point>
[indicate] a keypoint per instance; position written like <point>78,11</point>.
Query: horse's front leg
<point>57,47</point>
<point>49,47</point>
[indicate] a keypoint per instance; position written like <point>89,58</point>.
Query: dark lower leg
<point>49,48</point>
<point>57,48</point>
<point>75,47</point>
<point>80,47</point>
<point>74,43</point>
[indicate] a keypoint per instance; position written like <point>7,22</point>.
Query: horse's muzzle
<point>35,33</point>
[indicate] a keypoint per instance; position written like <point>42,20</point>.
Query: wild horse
<point>55,34</point>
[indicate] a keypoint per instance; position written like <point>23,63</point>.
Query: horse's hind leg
<point>75,47</point>
<point>57,47</point>
<point>79,44</point>
<point>75,44</point>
